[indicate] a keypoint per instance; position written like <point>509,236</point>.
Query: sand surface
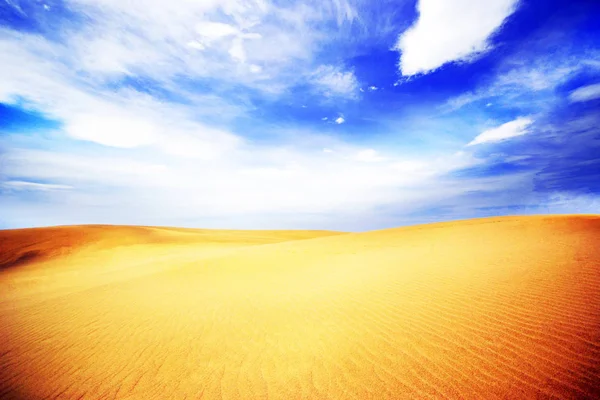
<point>481,309</point>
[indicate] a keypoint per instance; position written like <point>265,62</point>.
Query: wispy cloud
<point>253,42</point>
<point>35,186</point>
<point>508,130</point>
<point>522,76</point>
<point>333,81</point>
<point>585,93</point>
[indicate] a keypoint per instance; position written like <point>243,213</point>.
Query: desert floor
<point>480,309</point>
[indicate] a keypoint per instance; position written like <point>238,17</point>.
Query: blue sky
<point>333,114</point>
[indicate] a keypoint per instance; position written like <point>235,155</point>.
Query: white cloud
<point>112,130</point>
<point>212,31</point>
<point>237,51</point>
<point>373,88</point>
<point>511,129</point>
<point>369,155</point>
<point>450,30</point>
<point>255,69</point>
<point>324,119</point>
<point>194,44</point>
<point>42,187</point>
<point>333,81</point>
<point>182,170</point>
<point>585,93</point>
<point>235,42</point>
<point>286,188</point>
<point>119,118</point>
<point>204,39</point>
<point>163,162</point>
<point>200,142</point>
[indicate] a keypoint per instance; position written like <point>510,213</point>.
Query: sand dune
<point>479,309</point>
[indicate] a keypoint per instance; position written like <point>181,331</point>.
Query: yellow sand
<point>481,309</point>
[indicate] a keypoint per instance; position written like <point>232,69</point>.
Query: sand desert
<point>478,309</point>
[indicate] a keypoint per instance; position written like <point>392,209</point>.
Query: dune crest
<point>479,309</point>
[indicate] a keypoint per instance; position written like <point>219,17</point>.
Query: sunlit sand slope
<point>480,309</point>
<point>22,246</point>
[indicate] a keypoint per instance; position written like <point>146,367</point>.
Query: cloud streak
<point>35,186</point>
<point>508,130</point>
<point>585,93</point>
